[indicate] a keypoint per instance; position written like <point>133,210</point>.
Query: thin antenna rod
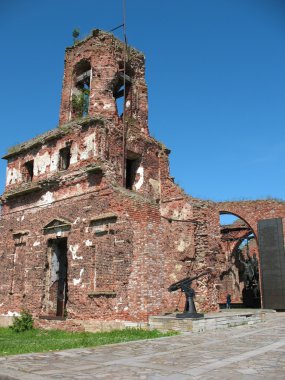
<point>117,27</point>
<point>124,109</point>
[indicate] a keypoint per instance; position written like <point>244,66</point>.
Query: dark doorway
<point>132,164</point>
<point>58,275</point>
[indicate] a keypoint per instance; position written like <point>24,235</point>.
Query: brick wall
<point>78,243</point>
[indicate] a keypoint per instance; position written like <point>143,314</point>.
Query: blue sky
<point>215,71</point>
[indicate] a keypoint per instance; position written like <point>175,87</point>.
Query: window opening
<point>81,90</point>
<point>29,170</point>
<point>64,158</point>
<point>121,86</point>
<point>132,165</point>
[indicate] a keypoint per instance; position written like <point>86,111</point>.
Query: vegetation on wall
<point>80,103</point>
<point>75,35</point>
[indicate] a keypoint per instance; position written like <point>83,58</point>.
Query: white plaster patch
<point>54,276</point>
<point>46,199</point>
<point>76,220</point>
<point>173,277</point>
<point>139,183</point>
<point>54,161</point>
<point>76,281</point>
<point>88,243</point>
<point>41,162</point>
<point>74,249</point>
<point>178,267</point>
<point>183,244</point>
<point>107,106</point>
<point>11,314</point>
<point>36,244</point>
<point>23,217</point>
<point>12,176</point>
<point>155,185</point>
<point>184,213</point>
<point>187,211</point>
<point>89,143</point>
<point>74,153</point>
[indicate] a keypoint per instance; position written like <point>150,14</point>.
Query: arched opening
<point>121,87</point>
<point>239,275</point>
<point>81,89</point>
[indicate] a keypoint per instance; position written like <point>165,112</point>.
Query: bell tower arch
<point>94,81</point>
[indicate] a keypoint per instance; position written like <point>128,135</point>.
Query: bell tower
<point>96,80</point>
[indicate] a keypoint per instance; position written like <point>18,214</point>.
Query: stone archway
<point>255,213</point>
<point>239,275</point>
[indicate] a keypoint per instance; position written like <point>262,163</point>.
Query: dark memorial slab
<point>272,263</point>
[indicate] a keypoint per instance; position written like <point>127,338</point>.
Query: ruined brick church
<point>93,226</point>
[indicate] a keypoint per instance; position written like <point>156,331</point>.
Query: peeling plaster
<point>46,199</point>
<point>73,249</point>
<point>89,143</point>
<point>74,153</point>
<point>185,213</point>
<point>139,183</point>
<point>54,276</point>
<point>178,267</point>
<point>54,161</point>
<point>11,314</point>
<point>41,162</point>
<point>155,185</point>
<point>183,244</point>
<point>78,281</point>
<point>13,176</point>
<point>88,243</point>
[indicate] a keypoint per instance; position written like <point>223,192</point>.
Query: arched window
<point>122,86</point>
<point>81,89</point>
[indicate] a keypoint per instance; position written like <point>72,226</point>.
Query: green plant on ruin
<point>131,121</point>
<point>75,35</point>
<point>80,103</point>
<point>24,322</point>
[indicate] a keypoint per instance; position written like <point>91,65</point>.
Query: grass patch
<point>12,343</point>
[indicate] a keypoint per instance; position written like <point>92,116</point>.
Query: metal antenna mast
<point>124,108</point>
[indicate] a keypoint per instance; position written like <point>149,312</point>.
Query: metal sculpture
<point>185,286</point>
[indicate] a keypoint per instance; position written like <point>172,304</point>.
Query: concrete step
<point>211,321</point>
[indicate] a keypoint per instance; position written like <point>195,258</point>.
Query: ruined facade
<point>93,226</point>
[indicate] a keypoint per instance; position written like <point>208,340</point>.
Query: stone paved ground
<point>246,352</point>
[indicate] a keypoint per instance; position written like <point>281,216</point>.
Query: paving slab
<point>238,353</point>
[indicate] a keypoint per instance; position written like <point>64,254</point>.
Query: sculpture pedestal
<point>190,315</point>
